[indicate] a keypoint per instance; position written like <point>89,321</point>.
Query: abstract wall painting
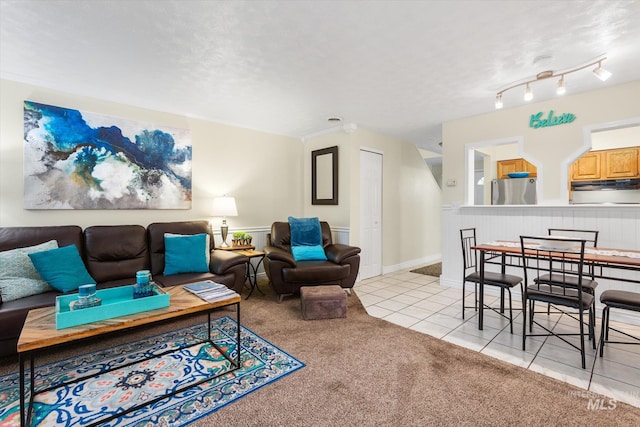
<point>81,160</point>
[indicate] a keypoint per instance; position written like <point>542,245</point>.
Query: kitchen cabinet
<point>622,163</point>
<point>505,167</point>
<point>607,164</point>
<point>587,167</point>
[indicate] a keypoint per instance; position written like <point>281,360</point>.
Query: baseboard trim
<point>410,264</point>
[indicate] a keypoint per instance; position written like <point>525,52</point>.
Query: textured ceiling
<point>400,68</point>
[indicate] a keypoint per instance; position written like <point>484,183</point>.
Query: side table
<point>252,269</point>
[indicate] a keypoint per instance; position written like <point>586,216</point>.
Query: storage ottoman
<point>323,302</point>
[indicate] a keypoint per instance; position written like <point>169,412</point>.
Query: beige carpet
<point>366,371</point>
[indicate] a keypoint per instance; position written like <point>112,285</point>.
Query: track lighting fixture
<point>599,72</point>
<point>528,95</point>
<point>561,90</point>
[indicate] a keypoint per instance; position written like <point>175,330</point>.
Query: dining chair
<point>553,273</point>
<point>472,275</point>
<point>591,240</point>
<point>624,300</point>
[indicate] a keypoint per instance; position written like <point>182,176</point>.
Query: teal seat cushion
<point>186,253</point>
<point>62,268</point>
<point>308,253</point>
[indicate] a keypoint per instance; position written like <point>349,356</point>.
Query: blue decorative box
<point>116,302</point>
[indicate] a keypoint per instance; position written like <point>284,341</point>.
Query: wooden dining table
<point>606,262</point>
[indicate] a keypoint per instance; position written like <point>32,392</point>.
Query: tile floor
<point>420,303</point>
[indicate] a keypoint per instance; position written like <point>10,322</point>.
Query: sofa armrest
<point>338,252</point>
<point>277,254</point>
<point>221,261</point>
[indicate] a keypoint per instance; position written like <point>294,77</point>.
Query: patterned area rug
<point>430,270</point>
<point>89,400</point>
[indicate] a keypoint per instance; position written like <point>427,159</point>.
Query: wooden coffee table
<point>39,335</point>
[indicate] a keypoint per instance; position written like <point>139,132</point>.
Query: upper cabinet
<point>587,167</point>
<point>621,163</point>
<point>505,167</point>
<point>607,164</point>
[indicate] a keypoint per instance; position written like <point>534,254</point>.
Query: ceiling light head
<point>561,90</point>
<point>334,119</point>
<point>601,73</point>
<point>499,104</point>
<point>528,95</point>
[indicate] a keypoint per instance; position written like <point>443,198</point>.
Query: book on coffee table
<point>210,291</point>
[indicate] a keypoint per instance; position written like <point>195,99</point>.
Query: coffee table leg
<point>25,418</point>
<point>238,358</point>
<point>21,361</point>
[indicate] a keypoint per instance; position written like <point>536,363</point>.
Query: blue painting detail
<point>82,160</point>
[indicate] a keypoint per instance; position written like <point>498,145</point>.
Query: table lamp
<point>224,206</point>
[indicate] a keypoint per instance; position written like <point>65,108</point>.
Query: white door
<point>370,214</point>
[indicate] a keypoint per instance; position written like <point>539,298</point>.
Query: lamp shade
<point>224,206</point>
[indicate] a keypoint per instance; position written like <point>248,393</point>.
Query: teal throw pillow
<point>186,253</point>
<point>305,231</point>
<point>308,253</point>
<point>62,268</point>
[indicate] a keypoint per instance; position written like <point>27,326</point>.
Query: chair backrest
<point>469,256</point>
<point>155,236</point>
<point>553,260</point>
<point>280,235</point>
<point>589,236</point>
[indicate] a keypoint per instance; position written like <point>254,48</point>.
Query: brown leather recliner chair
<point>287,276</point>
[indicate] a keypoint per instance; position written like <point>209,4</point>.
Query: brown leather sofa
<point>112,255</point>
<point>287,276</point>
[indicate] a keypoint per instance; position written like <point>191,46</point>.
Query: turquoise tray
<point>116,302</point>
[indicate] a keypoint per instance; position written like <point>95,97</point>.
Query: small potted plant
<point>247,239</point>
<point>238,236</point>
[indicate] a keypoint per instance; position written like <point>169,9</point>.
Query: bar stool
<point>624,300</point>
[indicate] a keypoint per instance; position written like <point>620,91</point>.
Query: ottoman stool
<point>323,302</point>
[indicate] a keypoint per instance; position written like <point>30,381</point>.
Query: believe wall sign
<point>537,121</point>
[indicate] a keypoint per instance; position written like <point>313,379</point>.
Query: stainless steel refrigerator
<point>513,191</point>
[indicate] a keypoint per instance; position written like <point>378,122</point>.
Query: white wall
<point>547,147</point>
<point>616,138</point>
<point>269,175</point>
<point>411,198</point>
<point>262,171</point>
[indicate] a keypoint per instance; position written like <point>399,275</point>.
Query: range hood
<point>611,191</point>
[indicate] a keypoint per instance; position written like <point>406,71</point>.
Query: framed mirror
<point>324,176</point>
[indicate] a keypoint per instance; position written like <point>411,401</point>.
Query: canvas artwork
<point>80,160</point>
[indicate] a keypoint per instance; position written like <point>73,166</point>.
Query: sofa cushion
<point>62,268</point>
<point>115,252</point>
<point>311,272</point>
<point>186,253</point>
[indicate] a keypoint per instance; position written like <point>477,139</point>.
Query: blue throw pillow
<point>305,231</point>
<point>62,268</point>
<point>308,253</point>
<point>186,253</point>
